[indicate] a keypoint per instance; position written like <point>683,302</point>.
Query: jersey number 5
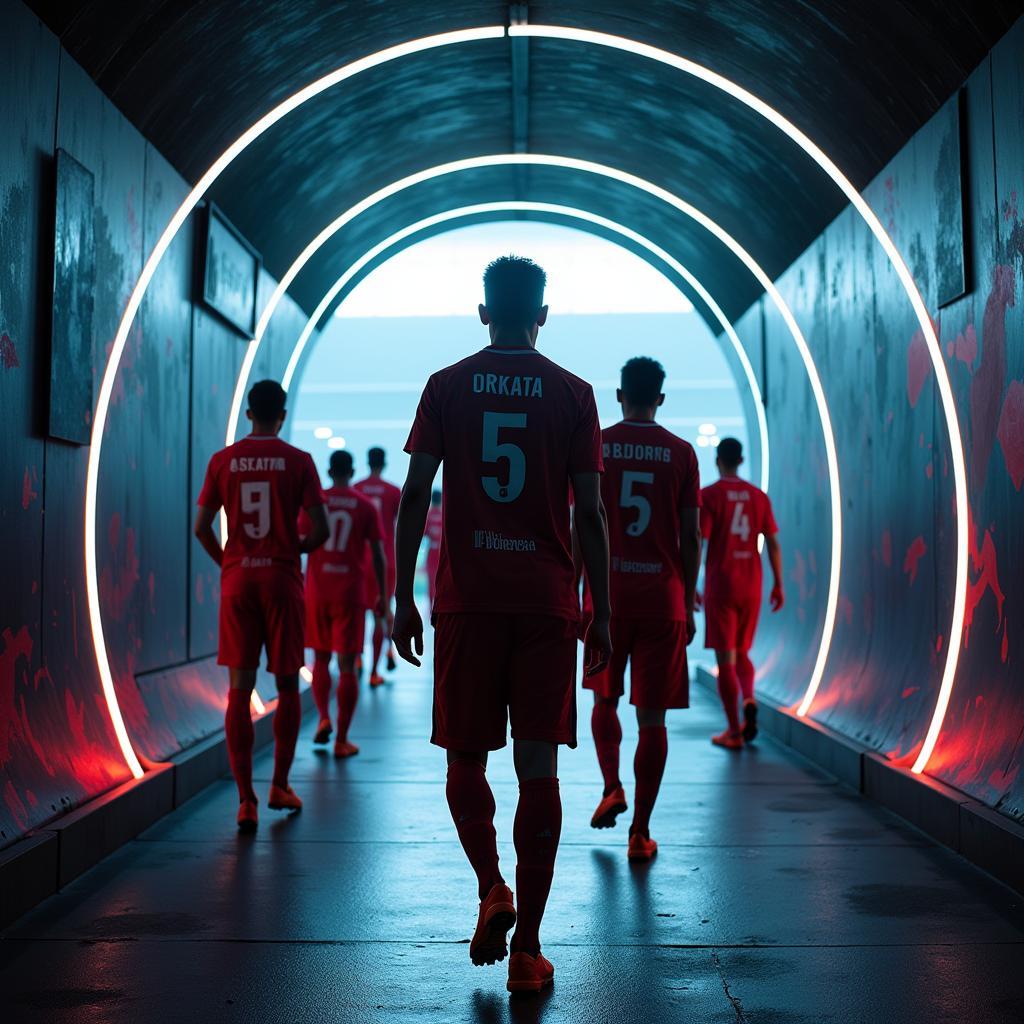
<point>493,450</point>
<point>256,499</point>
<point>740,522</point>
<point>627,499</point>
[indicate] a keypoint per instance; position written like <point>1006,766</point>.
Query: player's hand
<point>597,647</point>
<point>698,600</point>
<point>408,633</point>
<point>777,599</point>
<point>691,628</point>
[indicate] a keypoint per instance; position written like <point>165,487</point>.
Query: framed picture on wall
<point>74,286</point>
<point>230,272</point>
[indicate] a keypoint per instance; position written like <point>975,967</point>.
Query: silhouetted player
<point>385,497</point>
<point>336,597</point>
<point>651,494</point>
<point>434,530</point>
<point>734,514</point>
<point>262,483</point>
<point>513,429</point>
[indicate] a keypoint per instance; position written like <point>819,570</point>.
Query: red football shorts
<point>337,626</point>
<point>730,621</point>
<point>268,612</point>
<point>493,668</point>
<point>656,652</point>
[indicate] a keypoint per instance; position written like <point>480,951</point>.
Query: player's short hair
<point>642,379</point>
<point>730,452</point>
<point>341,464</point>
<point>514,290</point>
<point>266,401</point>
<point>376,458</point>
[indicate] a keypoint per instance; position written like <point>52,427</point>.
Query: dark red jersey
<point>734,514</point>
<point>385,498</point>
<point>649,475</point>
<point>432,531</point>
<point>262,483</point>
<point>335,571</point>
<point>511,427</point>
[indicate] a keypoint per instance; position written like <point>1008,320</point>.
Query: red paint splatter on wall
<point>914,554</point>
<point>16,647</point>
<point>990,378</point>
<point>8,353</point>
<point>1011,432</point>
<point>887,549</point>
<point>984,563</point>
<point>121,573</point>
<point>967,346</point>
<point>919,365</point>
<point>28,492</point>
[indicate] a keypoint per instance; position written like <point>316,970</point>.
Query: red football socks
<point>745,674</point>
<point>378,643</point>
<point>538,826</point>
<point>728,690</point>
<point>239,734</point>
<point>607,730</point>
<point>648,767</point>
<point>348,695</point>
<point>287,719</point>
<point>472,805</point>
<point>322,685</point>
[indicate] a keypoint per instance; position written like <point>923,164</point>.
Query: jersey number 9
<point>256,499</point>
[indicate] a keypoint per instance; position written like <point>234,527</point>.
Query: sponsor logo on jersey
<point>257,464</point>
<point>508,385</point>
<point>489,540</point>
<point>256,563</point>
<point>642,452</point>
<point>629,566</point>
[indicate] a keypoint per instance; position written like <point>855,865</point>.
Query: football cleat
<point>342,748</point>
<point>248,818</point>
<point>376,679</point>
<point>497,916</point>
<point>749,720</point>
<point>641,848</point>
<point>283,798</point>
<point>529,973</point>
<point>323,731</point>
<point>609,809</point>
<point>729,740</point>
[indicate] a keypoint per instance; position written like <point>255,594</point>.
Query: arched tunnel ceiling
<point>858,78</point>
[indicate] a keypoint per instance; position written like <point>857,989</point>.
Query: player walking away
<point>734,514</point>
<point>262,484</point>
<point>434,530</point>
<point>513,428</point>
<point>651,494</point>
<point>335,596</point>
<point>385,498</point>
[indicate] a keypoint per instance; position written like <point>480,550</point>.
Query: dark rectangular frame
<point>215,220</point>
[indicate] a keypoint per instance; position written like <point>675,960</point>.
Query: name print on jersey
<point>644,452</point>
<point>505,384</point>
<point>257,464</point>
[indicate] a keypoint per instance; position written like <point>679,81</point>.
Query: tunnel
<point>190,189</point>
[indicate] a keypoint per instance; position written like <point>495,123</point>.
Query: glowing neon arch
<point>566,34</point>
<point>552,209</point>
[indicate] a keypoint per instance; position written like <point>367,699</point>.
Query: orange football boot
<point>376,679</point>
<point>497,916</point>
<point>323,731</point>
<point>283,799</point>
<point>342,748</point>
<point>529,973</point>
<point>641,848</point>
<point>729,740</point>
<point>610,807</point>
<point>248,818</point>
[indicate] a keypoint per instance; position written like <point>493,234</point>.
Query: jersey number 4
<point>493,450</point>
<point>627,499</point>
<point>256,501</point>
<point>740,522</point>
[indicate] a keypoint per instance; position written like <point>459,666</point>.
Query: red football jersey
<point>433,531</point>
<point>650,474</point>
<point>386,499</point>
<point>734,514</point>
<point>262,483</point>
<point>511,427</point>
<point>335,571</point>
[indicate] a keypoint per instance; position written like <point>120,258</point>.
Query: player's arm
<point>778,598</point>
<point>203,529</point>
<point>593,540</point>
<point>689,555</point>
<point>407,632</point>
<point>379,570</point>
<point>318,529</point>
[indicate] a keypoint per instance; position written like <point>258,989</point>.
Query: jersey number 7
<point>493,450</point>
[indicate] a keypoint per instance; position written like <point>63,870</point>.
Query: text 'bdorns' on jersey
<point>336,570</point>
<point>262,483</point>
<point>649,476</point>
<point>734,514</point>
<point>511,427</point>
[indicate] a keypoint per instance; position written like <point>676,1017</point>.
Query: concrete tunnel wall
<point>171,401</point>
